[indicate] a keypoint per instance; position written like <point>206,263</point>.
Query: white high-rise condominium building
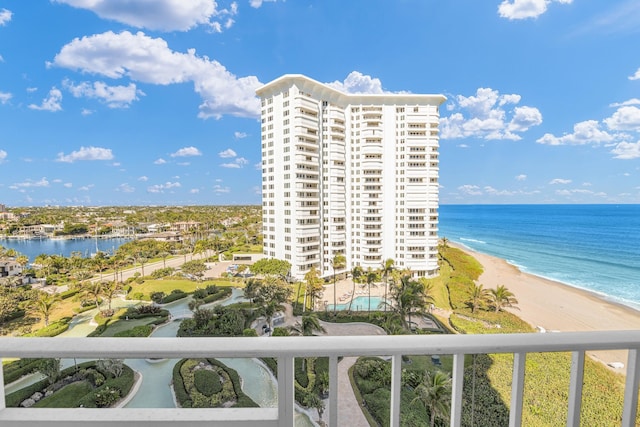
<point>351,174</point>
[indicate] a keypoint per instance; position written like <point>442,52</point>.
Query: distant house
<point>167,236</point>
<point>9,267</point>
<point>185,226</point>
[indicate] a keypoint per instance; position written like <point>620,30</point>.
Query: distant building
<point>349,174</point>
<point>9,267</point>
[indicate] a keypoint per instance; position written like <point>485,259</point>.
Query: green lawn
<point>125,325</point>
<point>166,286</point>
<point>66,397</point>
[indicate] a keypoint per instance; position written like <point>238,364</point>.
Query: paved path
<point>349,411</point>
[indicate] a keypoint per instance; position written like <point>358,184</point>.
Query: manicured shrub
<point>207,382</point>
<point>138,331</point>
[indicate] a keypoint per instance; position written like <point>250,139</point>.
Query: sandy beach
<point>555,306</point>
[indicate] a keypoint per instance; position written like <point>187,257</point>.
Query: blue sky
<point>126,102</point>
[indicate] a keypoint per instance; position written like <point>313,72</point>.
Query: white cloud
<point>3,155</point>
<point>521,177</point>
<point>257,3</point>
<point>163,15</point>
<point>160,188</point>
<point>632,101</point>
<point>68,185</point>
<point>86,153</point>
<point>150,60</point>
<point>125,188</point>
<point>625,118</point>
<point>587,132</point>
<point>113,96</point>
<point>524,118</point>
<point>472,190</point>
<point>238,163</point>
<point>160,162</point>
<point>627,150</point>
<point>559,181</point>
<point>227,153</point>
<point>187,152</point>
<point>356,82</point>
<point>86,187</point>
<point>221,189</point>
<point>239,135</point>
<point>143,178</point>
<point>5,16</point>
<point>51,103</point>
<point>523,9</point>
<point>43,182</point>
<point>194,191</point>
<point>579,191</point>
<point>635,76</point>
<point>87,112</point>
<point>485,116</point>
<point>5,97</point>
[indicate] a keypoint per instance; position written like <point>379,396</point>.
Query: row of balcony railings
<point>286,349</point>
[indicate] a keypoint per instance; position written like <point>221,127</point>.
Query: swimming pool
<point>360,303</point>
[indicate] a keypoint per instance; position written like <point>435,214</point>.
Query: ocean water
<point>593,247</point>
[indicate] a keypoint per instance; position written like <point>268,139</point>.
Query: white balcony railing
<point>285,349</point>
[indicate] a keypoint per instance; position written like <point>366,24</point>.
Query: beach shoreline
<point>551,306</point>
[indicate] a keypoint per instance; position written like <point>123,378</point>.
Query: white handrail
<point>285,349</point>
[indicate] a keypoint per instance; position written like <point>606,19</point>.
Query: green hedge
<point>18,368</point>
<point>174,296</point>
<point>138,331</point>
<point>182,397</point>
<point>53,329</point>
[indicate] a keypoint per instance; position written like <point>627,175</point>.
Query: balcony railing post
<point>456,390</point>
<point>630,409</point>
<point>3,403</point>
<point>575,389</point>
<point>396,385</point>
<point>517,389</point>
<point>333,391</point>
<point>286,391</point>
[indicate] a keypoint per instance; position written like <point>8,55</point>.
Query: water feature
<point>154,389</point>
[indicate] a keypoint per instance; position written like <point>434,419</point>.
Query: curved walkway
<point>349,411</point>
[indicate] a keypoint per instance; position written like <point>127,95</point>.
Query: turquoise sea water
<point>593,247</point>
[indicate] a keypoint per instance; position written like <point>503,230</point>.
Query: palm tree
<point>370,279</point>
<point>94,290</point>
<point>338,262</point>
<point>502,297</point>
<point>43,305</point>
<point>314,283</point>
<point>434,394</point>
<point>307,326</point>
<point>387,269</point>
<point>409,297</point>
<point>109,290</point>
<point>478,297</point>
<point>356,276</point>
<point>164,255</point>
